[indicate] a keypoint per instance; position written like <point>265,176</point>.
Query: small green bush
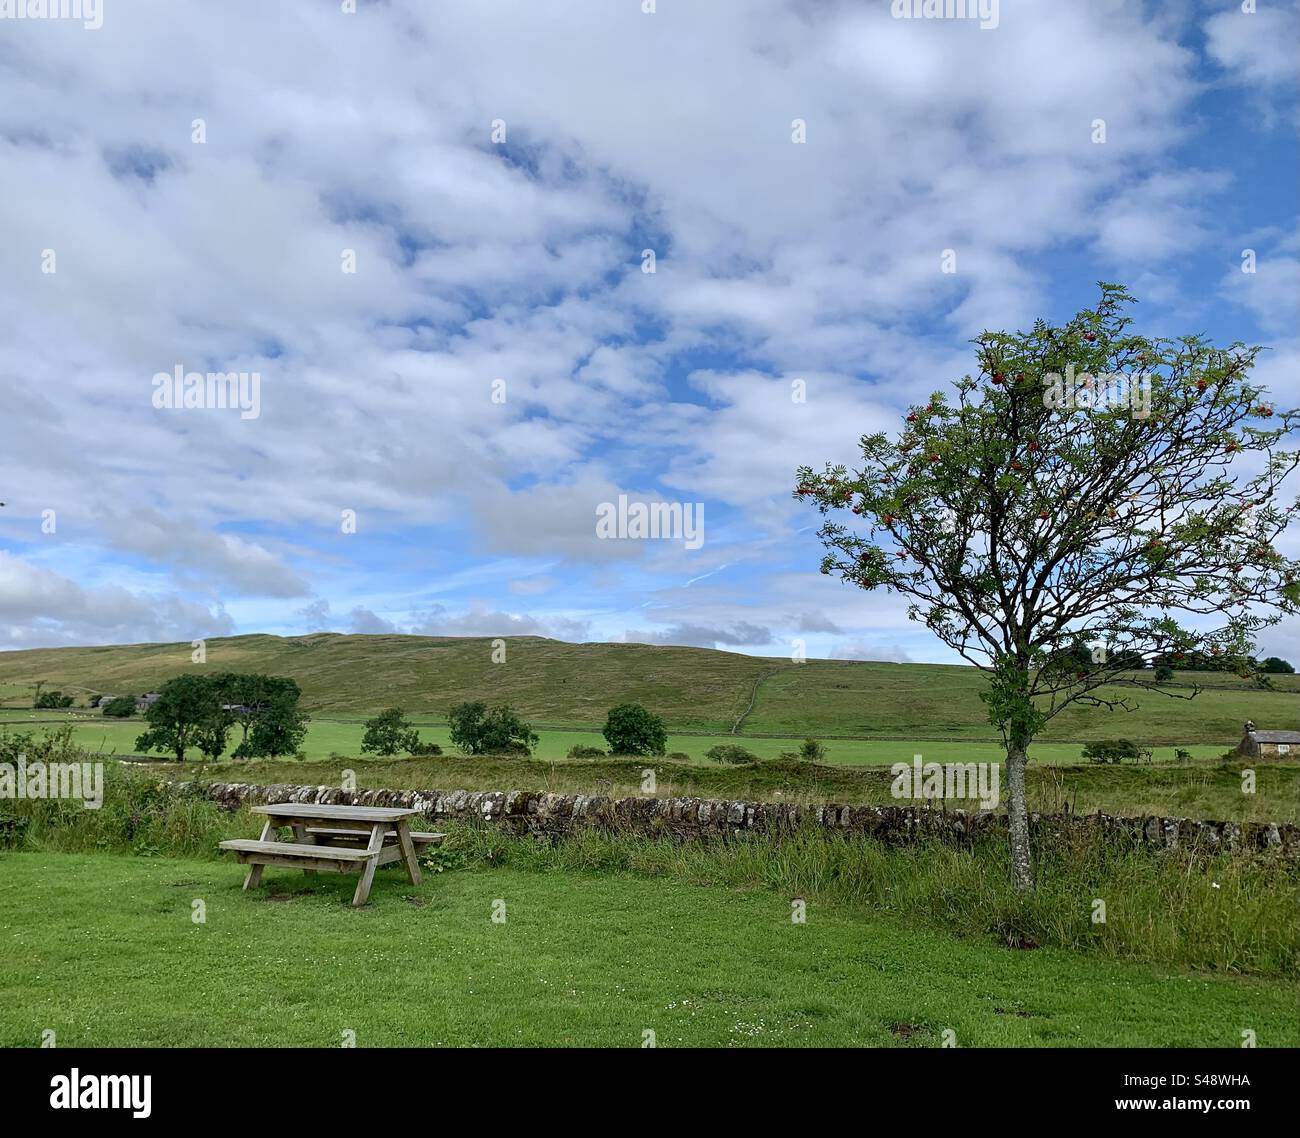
<point>1115,751</point>
<point>389,732</point>
<point>730,753</point>
<point>476,729</point>
<point>631,730</point>
<point>582,751</point>
<point>122,707</point>
<point>440,859</point>
<point>812,751</point>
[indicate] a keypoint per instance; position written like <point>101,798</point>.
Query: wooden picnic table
<point>333,839</point>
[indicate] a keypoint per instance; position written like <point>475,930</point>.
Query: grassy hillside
<point>938,701</point>
<point>694,689</point>
<point>545,679</point>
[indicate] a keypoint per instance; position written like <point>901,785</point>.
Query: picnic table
<point>333,839</point>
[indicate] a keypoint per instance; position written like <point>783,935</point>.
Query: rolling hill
<point>694,689</point>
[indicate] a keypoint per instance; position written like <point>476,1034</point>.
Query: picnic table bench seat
<point>332,834</point>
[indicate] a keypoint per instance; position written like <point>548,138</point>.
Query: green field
<point>339,735</point>
<point>115,959</point>
<point>695,690</point>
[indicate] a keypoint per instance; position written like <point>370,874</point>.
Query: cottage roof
<point>1276,736</point>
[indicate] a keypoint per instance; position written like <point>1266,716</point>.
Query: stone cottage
<point>1256,744</point>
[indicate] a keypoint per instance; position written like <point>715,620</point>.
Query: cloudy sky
<point>195,173</point>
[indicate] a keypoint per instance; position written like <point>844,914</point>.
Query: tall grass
<point>1230,913</point>
<point>141,812</point>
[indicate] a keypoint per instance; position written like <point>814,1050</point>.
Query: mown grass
<point>104,950</point>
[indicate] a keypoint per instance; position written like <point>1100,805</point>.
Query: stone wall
<point>529,812</point>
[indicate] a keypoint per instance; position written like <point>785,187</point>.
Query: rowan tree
<point>1022,531</point>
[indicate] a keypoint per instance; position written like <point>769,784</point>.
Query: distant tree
<point>730,753</point>
<point>477,729</point>
<point>1115,751</point>
<point>1163,673</point>
<point>53,699</point>
<point>280,728</point>
<point>120,707</point>
<point>1018,520</point>
<point>187,713</point>
<point>389,732</point>
<point>265,709</point>
<point>1276,665</point>
<point>812,751</point>
<point>631,730</point>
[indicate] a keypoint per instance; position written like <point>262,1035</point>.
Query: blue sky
<point>479,261</point>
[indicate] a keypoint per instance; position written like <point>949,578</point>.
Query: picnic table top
<point>342,813</point>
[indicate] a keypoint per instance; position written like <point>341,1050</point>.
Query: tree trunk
<point>1018,817</point>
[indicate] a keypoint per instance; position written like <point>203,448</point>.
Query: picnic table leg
<point>254,875</point>
<point>303,838</point>
<point>376,845</point>
<point>408,852</point>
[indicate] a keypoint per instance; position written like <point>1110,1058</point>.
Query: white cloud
<point>40,608</point>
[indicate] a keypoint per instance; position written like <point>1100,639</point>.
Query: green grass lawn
<point>102,949</point>
<point>336,734</point>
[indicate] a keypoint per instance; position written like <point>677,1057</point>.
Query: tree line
<point>477,729</point>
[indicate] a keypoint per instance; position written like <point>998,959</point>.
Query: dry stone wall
<point>528,812</point>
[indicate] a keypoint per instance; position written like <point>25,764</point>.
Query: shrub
<point>631,730</point>
<point>12,829</point>
<point>389,732</point>
<point>53,699</point>
<point>581,751</point>
<point>1164,673</point>
<point>1115,751</point>
<point>680,757</point>
<point>417,748</point>
<point>120,707</point>
<point>1182,756</point>
<point>812,751</point>
<point>478,730</point>
<point>731,753</point>
<point>440,859</point>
